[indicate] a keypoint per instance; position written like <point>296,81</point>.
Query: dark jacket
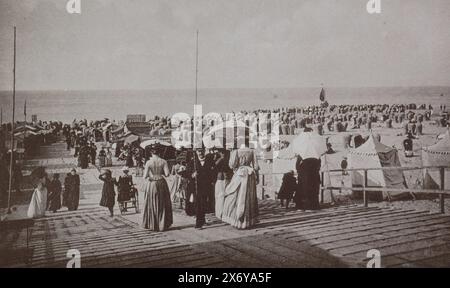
<point>71,195</point>
<point>108,193</point>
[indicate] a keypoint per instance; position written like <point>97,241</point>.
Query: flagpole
<point>194,153</point>
<point>25,111</point>
<point>12,126</point>
<point>196,70</point>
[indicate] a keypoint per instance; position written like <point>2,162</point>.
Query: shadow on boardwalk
<point>332,237</point>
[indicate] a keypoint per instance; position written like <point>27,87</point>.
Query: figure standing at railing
<point>307,195</point>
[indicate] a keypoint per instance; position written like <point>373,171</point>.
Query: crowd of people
<point>216,182</point>
<point>207,181</point>
<point>49,195</point>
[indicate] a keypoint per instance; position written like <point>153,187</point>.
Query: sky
<point>150,44</point>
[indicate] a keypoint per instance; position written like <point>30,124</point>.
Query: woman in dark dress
<point>84,157</point>
<point>102,158</point>
<point>54,194</point>
<point>307,195</point>
<point>108,193</point>
<point>72,190</point>
<point>130,162</point>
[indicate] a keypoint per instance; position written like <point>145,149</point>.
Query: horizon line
<point>226,88</point>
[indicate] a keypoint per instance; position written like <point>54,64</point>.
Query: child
<point>288,187</point>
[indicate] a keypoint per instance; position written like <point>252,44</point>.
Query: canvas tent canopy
<point>373,154</point>
<point>437,155</point>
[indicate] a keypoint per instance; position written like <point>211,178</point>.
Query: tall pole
<point>12,126</point>
<point>196,70</point>
<point>194,153</point>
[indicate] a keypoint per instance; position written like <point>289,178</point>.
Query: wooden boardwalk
<point>333,237</point>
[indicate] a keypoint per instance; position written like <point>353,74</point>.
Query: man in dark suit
<point>199,172</point>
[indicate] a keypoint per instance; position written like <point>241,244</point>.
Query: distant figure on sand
<point>408,145</point>
<point>109,161</point>
<point>157,205</point>
<point>38,202</point>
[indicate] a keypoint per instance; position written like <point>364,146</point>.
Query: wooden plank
<point>301,230</point>
<point>393,246</point>
<point>370,229</point>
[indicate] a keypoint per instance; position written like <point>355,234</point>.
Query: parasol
<point>131,139</point>
<point>309,145</point>
<point>152,142</point>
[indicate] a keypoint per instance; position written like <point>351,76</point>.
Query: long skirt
<point>219,196</point>
<point>71,199</point>
<point>54,200</point>
<point>174,187</point>
<point>157,206</point>
<point>108,161</point>
<point>83,160</point>
<point>38,203</point>
<point>101,161</point>
<point>240,208</point>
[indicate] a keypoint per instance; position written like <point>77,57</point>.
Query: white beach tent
<point>437,155</point>
<point>373,154</point>
<point>307,145</point>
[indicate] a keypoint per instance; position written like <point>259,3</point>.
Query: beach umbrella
<point>309,145</point>
<point>131,139</point>
<point>153,142</point>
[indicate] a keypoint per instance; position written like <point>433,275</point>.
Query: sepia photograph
<point>229,134</point>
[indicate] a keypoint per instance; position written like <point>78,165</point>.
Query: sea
<point>66,106</point>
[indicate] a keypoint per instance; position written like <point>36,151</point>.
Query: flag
<point>322,95</point>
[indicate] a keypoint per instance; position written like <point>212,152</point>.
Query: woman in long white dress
<point>223,178</point>
<point>38,202</point>
<point>157,204</point>
<point>174,181</point>
<point>240,208</point>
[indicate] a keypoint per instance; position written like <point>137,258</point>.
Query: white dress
<point>38,203</point>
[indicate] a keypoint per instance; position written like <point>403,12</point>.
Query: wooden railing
<point>365,188</point>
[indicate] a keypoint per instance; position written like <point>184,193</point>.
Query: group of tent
<point>372,155</point>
